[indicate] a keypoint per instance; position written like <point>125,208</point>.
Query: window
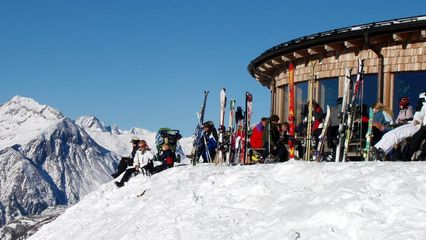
<point>408,84</point>
<point>284,115</point>
<point>370,89</point>
<point>301,96</point>
<point>328,92</point>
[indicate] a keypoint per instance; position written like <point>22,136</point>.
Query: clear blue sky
<point>146,63</point>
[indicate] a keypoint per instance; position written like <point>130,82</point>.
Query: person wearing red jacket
<point>256,139</point>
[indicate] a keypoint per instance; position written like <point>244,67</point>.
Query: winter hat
<point>208,124</point>
<point>135,140</point>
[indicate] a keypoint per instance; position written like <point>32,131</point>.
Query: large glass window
<point>370,89</point>
<point>328,92</point>
<point>408,84</point>
<point>284,116</point>
<point>301,96</point>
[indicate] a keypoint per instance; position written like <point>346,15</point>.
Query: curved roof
<point>339,35</point>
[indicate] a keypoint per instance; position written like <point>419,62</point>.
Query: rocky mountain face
<point>46,160</point>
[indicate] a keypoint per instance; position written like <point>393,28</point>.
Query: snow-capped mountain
<point>117,140</point>
<point>295,200</point>
<point>113,138</point>
<point>45,159</point>
<point>22,119</point>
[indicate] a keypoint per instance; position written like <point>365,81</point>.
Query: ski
<point>352,108</point>
<point>238,137</point>
<point>228,141</point>
<point>320,149</point>
<point>342,114</point>
<point>310,109</point>
<point>248,112</point>
<point>219,159</point>
<point>369,135</point>
<point>291,111</point>
<point>199,132</point>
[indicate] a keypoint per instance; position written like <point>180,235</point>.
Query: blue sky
<point>146,63</point>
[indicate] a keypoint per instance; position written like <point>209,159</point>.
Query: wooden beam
<point>267,65</point>
<point>261,69</point>
<point>356,43</point>
<point>400,37</point>
<point>333,47</point>
<point>315,50</point>
<point>286,58</point>
<point>275,62</point>
<point>300,54</point>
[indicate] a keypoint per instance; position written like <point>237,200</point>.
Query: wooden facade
<point>388,48</point>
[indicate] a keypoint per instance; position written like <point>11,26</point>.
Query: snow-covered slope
<point>294,200</point>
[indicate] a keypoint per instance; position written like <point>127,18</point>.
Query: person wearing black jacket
<point>167,158</point>
<point>127,161</point>
<point>282,152</point>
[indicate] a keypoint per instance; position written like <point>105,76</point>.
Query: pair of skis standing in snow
<point>230,147</point>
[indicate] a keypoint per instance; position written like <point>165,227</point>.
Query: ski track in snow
<point>294,200</point>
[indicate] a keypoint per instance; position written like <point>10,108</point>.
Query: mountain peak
<point>22,107</point>
<point>22,119</point>
<point>92,123</point>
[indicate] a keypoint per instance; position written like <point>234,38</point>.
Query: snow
<point>22,119</point>
<point>117,140</point>
<point>293,200</point>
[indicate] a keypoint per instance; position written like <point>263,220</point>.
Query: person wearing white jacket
<point>143,158</point>
<point>395,136</point>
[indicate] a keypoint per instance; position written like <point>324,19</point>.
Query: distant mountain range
<point>48,160</point>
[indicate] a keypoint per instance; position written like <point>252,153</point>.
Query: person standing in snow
<point>282,141</point>
<point>210,142</point>
<point>127,161</point>
<point>256,138</point>
<point>405,111</point>
<point>395,136</point>
<point>141,163</point>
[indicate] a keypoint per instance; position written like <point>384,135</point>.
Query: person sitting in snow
<point>395,136</point>
<point>167,158</point>
<point>405,111</point>
<point>142,163</point>
<point>127,161</point>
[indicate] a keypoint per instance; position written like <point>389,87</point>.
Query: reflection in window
<point>328,92</point>
<point>408,84</point>
<point>370,89</point>
<point>284,116</point>
<point>301,96</point>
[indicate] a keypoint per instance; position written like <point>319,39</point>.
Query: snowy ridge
<point>113,138</point>
<point>117,140</point>
<point>294,200</point>
<point>22,119</point>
